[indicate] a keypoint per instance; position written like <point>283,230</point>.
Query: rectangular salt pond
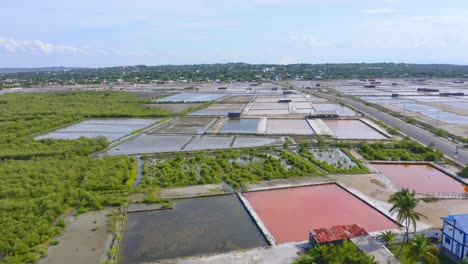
<point>342,110</point>
<point>209,142</point>
<point>418,108</point>
<point>386,100</point>
<point>185,125</point>
<point>268,112</point>
<point>237,99</point>
<point>334,157</point>
<point>447,117</point>
<point>288,126</point>
<point>435,113</point>
<point>352,129</point>
<point>458,104</point>
<point>149,143</point>
<point>263,106</point>
<point>241,125</point>
<point>290,213</point>
<point>194,226</point>
<point>112,129</point>
<point>268,99</point>
<point>423,178</point>
<point>192,97</point>
<point>219,110</point>
<point>244,142</point>
<point>301,105</point>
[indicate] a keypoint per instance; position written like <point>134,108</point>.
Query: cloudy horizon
<point>113,33</point>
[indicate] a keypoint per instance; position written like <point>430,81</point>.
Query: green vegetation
<point>226,72</point>
<point>387,237</point>
<point>35,192</point>
<point>233,166</point>
<point>404,150</point>
<point>422,251</point>
<point>394,248</point>
<point>132,173</point>
<point>404,203</point>
<point>330,254</point>
<point>341,165</point>
<point>41,180</point>
<point>152,196</point>
<point>25,115</point>
<point>464,172</point>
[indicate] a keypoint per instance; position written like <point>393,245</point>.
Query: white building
<point>455,235</point>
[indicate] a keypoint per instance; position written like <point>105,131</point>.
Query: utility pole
<point>437,125</point>
<point>456,151</point>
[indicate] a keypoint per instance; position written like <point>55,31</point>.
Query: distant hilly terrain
<point>42,69</point>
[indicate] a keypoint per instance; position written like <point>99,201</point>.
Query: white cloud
<point>287,59</point>
<point>307,40</point>
<point>378,11</point>
<point>37,47</point>
<point>209,24</point>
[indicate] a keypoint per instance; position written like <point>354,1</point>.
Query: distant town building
<point>290,91</point>
<point>324,114</point>
<point>452,94</point>
<point>427,90</point>
<point>234,114</point>
<point>455,236</point>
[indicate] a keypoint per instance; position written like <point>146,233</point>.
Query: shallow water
<point>192,97</point>
<point>422,178</point>
<point>112,129</point>
<point>185,125</point>
<point>147,143</point>
<point>288,126</point>
<point>352,129</point>
<point>333,156</point>
<point>209,142</point>
<point>458,104</point>
<point>245,125</point>
<point>290,213</point>
<point>342,110</point>
<point>195,226</point>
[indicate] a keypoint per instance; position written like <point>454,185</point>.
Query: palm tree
<point>422,251</point>
<point>405,202</point>
<point>387,237</point>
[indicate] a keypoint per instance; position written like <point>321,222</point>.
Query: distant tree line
<point>230,72</point>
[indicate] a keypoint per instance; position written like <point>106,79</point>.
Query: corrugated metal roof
<point>336,233</point>
<point>461,221</point>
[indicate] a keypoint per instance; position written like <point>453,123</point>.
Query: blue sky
<point>96,33</point>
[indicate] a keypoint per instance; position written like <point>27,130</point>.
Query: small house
<point>455,236</point>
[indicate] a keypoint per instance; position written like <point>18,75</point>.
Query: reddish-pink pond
<point>290,213</point>
<point>423,178</point>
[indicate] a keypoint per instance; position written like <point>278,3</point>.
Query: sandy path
<point>78,244</point>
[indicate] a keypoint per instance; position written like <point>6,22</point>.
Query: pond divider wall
<point>257,220</point>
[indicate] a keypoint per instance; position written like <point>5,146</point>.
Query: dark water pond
<point>195,226</point>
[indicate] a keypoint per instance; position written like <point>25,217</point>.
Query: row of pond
<point>223,223</point>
